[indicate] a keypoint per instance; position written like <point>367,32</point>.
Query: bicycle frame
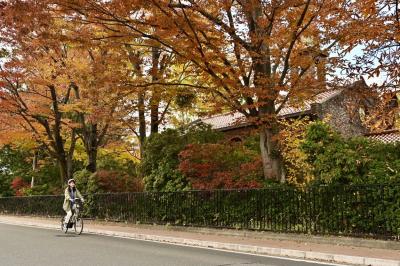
<point>75,209</point>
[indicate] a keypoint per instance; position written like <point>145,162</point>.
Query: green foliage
<point>13,163</point>
<point>43,189</point>
<point>85,182</point>
<point>4,53</point>
<point>165,178</point>
<point>160,160</point>
<point>185,100</point>
<point>350,161</point>
<point>47,179</point>
<point>252,143</point>
<point>16,162</point>
<point>116,162</point>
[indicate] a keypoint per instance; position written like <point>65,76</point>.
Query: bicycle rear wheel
<point>78,225</point>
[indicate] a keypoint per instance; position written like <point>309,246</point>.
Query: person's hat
<point>71,180</point>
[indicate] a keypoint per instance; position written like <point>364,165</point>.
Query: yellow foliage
<point>298,170</point>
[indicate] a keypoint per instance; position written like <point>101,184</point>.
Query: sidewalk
<point>211,238</point>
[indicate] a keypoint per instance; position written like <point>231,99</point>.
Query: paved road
<point>33,246</point>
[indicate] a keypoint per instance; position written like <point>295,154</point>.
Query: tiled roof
<point>236,119</point>
<point>306,106</point>
<point>225,120</point>
<point>391,136</point>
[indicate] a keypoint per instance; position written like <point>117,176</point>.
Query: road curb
<point>296,254</point>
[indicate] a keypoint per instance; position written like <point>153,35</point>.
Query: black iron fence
<point>367,211</point>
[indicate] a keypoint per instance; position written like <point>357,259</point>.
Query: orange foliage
<point>252,57</point>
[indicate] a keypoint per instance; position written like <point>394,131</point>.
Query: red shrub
<point>219,166</point>
<point>113,181</point>
<point>18,185</point>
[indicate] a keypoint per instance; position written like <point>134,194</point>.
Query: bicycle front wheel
<point>64,227</point>
<point>78,226</point>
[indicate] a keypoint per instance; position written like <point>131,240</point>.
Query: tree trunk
<point>70,154</point>
<point>155,98</point>
<point>270,154</point>
<point>69,168</point>
<point>267,93</point>
<point>58,139</point>
<point>92,165</point>
<point>91,148</point>
<point>34,167</point>
<point>154,114</point>
<point>92,157</point>
<point>142,123</point>
<point>90,138</point>
<point>136,60</point>
<point>62,164</point>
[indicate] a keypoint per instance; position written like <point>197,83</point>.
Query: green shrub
<point>85,181</point>
<point>336,159</point>
<point>37,190</point>
<point>159,165</point>
<point>13,163</point>
<point>164,178</point>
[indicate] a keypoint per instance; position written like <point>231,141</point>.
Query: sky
<point>358,51</point>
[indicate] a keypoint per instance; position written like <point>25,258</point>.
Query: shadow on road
<point>66,235</point>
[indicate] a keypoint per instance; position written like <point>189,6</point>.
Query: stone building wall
<point>341,116</point>
<point>339,112</point>
<point>239,134</point>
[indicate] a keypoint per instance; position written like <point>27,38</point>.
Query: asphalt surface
<point>34,246</point>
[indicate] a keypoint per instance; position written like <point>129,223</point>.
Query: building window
<point>236,139</point>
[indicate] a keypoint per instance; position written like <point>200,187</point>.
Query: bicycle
<point>75,221</point>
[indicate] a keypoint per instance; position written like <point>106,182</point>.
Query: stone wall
<point>341,116</point>
<point>339,112</point>
<point>239,134</point>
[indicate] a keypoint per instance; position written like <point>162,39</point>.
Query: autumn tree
<point>153,89</point>
<point>54,84</point>
<point>255,56</point>
<point>37,117</point>
<point>156,75</point>
<point>94,109</point>
<point>378,43</point>
<point>147,65</point>
<point>374,56</point>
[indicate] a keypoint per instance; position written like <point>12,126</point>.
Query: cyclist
<point>71,194</point>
